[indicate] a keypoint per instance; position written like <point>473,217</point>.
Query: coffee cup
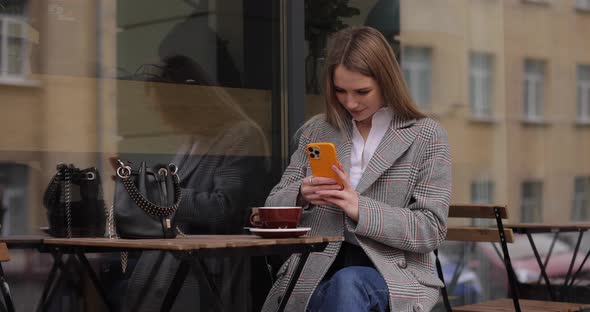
<point>276,217</point>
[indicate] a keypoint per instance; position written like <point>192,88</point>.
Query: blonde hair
<point>366,51</point>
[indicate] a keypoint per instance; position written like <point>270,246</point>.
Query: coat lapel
<point>398,138</point>
<point>343,147</point>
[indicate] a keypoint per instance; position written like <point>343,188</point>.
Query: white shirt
<point>362,151</point>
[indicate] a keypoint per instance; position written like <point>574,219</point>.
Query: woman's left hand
<point>347,198</point>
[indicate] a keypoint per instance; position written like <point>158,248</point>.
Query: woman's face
<point>359,94</point>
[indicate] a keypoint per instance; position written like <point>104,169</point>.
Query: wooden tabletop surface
<point>548,227</point>
<point>190,242</point>
<point>23,239</point>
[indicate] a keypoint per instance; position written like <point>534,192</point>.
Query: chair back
<point>497,234</point>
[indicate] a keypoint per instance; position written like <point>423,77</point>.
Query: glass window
<point>534,84</point>
<point>480,84</point>
<point>532,201</point>
<point>12,47</point>
<point>583,93</point>
<point>482,192</point>
<point>417,67</point>
<point>581,199</point>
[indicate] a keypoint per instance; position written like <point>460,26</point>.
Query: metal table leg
<point>200,267</point>
<point>175,286</point>
<point>541,266</point>
<point>88,268</point>
<point>49,281</point>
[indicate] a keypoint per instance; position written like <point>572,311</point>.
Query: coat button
<point>418,307</point>
<point>402,264</point>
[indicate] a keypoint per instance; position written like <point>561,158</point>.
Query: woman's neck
<point>364,127</point>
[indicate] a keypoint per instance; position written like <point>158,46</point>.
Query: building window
<point>482,192</point>
<point>13,47</point>
<point>581,203</point>
<point>480,84</point>
<point>534,82</point>
<point>532,201</point>
<point>417,67</point>
<point>543,2</point>
<point>583,5</point>
<point>583,94</point>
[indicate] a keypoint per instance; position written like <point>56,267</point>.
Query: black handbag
<point>146,201</point>
<point>74,203</point>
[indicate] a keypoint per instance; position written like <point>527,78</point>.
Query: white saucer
<point>280,233</point>
<point>260,230</point>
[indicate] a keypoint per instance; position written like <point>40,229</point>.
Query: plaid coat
<point>403,207</point>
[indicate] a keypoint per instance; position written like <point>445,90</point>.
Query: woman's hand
<point>345,198</point>
<point>311,185</point>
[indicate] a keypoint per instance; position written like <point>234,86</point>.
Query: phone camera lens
<point>316,152</point>
<point>312,155</point>
<point>310,149</point>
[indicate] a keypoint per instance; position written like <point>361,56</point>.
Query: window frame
<point>481,74</point>
<point>413,67</point>
<point>581,198</point>
<point>22,74</point>
<point>531,207</point>
<point>534,101</point>
<point>582,94</point>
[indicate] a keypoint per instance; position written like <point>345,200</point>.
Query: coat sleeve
<point>286,191</point>
<point>230,176</point>
<point>422,225</point>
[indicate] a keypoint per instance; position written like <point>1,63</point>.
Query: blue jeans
<point>353,288</point>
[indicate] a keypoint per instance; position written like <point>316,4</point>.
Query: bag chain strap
<point>68,200</point>
<point>146,205</point>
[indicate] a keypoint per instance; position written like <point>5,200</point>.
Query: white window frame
<point>21,75</point>
<point>481,75</point>
<point>534,90</point>
<point>581,199</point>
<point>532,206</point>
<point>583,94</point>
<point>417,64</point>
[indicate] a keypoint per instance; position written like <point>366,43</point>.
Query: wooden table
<point>505,305</point>
<point>533,228</point>
<point>190,249</point>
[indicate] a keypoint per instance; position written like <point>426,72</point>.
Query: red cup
<point>276,217</point>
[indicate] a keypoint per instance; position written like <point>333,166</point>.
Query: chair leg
<point>5,291</point>
<point>507,263</point>
<point>442,278</point>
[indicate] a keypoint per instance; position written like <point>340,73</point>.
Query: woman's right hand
<point>310,185</point>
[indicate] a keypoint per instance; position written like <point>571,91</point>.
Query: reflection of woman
<point>393,207</point>
<point>221,166</point>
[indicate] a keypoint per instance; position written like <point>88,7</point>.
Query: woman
<point>393,207</point>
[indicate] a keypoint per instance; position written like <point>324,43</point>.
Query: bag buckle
<point>90,176</point>
<point>123,171</point>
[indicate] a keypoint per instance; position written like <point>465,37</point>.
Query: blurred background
<point>508,79</point>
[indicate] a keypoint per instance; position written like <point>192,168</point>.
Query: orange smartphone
<point>321,156</point>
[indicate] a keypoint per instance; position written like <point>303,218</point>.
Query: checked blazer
<point>404,196</point>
